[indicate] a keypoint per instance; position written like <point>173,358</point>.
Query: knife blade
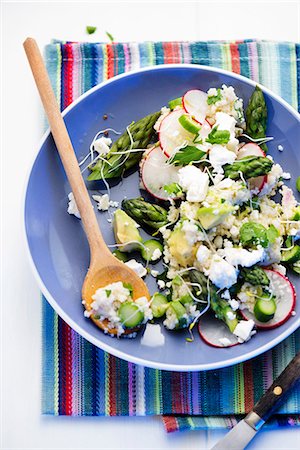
<point>240,436</point>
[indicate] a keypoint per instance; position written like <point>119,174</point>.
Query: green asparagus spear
<point>114,164</point>
<point>256,116</point>
<point>145,214</point>
<point>219,305</point>
<point>255,275</point>
<point>249,167</point>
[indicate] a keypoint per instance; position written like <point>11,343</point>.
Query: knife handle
<point>275,394</point>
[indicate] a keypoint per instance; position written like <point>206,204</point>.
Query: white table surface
<point>23,427</point>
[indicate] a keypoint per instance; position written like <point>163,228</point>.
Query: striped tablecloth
<point>80,379</point>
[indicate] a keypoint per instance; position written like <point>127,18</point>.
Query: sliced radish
<point>172,135</point>
<point>213,330</point>
<point>285,301</point>
<point>156,173</point>
<point>249,150</point>
<point>195,103</point>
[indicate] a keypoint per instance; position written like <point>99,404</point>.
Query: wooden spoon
<point>104,267</point>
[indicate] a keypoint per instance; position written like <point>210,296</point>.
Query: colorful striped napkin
<point>80,379</point>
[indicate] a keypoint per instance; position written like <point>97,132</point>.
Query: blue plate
<point>57,245</point>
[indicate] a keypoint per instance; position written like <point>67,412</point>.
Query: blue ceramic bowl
<point>57,245</point>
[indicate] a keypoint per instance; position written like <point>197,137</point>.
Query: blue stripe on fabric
<point>159,53</point>
<point>244,60</point>
<point>199,51</point>
<point>48,368</point>
<point>285,71</point>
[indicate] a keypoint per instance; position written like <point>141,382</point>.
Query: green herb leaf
<point>298,184</point>
<point>90,29</point>
<point>187,155</point>
<point>110,36</point>
<point>252,233</point>
<point>107,292</point>
<point>173,188</point>
<point>218,136</point>
<point>211,100</point>
<point>128,286</point>
<point>272,234</point>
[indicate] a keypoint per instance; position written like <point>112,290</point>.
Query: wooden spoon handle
<point>65,148</point>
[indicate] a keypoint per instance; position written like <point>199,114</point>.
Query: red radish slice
<point>172,135</point>
<point>195,103</point>
<point>213,330</point>
<point>249,150</point>
<point>285,301</point>
<point>156,173</point>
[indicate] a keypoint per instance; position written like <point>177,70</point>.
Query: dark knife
<point>240,436</point>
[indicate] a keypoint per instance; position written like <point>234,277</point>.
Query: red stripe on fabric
<point>170,423</point>
<point>176,393</point>
<point>235,58</point>
<point>112,386</point>
<point>168,52</point>
<point>66,359</point>
<point>68,63</point>
<point>110,60</point>
<point>248,386</point>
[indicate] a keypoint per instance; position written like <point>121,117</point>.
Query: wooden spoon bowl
<point>104,267</point>
<point>98,277</point>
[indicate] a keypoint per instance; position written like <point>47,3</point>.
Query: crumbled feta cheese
<point>243,257</point>
<point>161,284</point>
<point>230,315</point>
<point>203,254</point>
<point>101,145</point>
<point>106,302</point>
<point>137,267</point>
<point>280,148</point>
<point>164,112</point>
<point>219,155</point>
<point>72,207</point>
<point>144,306</point>
<point>194,182</point>
<point>156,254</point>
<point>191,231</point>
<point>221,273</point>
<point>279,268</point>
<point>153,336</point>
<point>102,202</point>
<point>243,330</point>
<point>154,273</point>
<point>212,92</point>
<point>234,304</point>
<point>286,175</point>
<point>226,295</point>
<point>225,122</point>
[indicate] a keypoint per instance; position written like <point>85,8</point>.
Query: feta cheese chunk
<point>194,182</point>
<point>243,257</point>
<point>219,156</point>
<point>72,207</point>
<point>243,330</point>
<point>156,254</point>
<point>191,232</point>
<point>137,267</point>
<point>221,273</point>
<point>101,145</point>
<point>102,202</point>
<point>203,254</point>
<point>226,122</point>
<point>153,336</point>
